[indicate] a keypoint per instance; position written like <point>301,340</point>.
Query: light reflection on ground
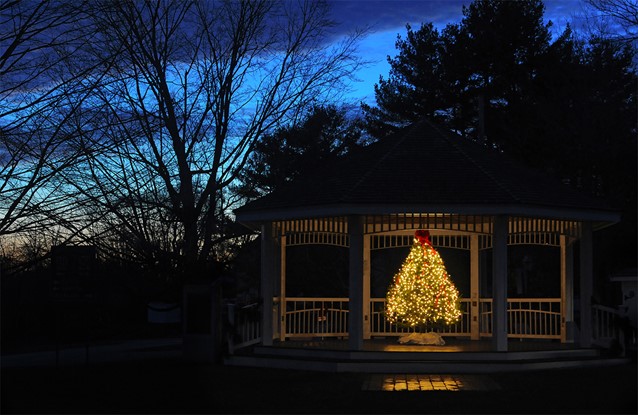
<point>420,348</point>
<point>427,382</point>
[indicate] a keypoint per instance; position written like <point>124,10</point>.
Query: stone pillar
<point>475,333</point>
<point>355,287</point>
<point>268,275</point>
<point>499,283</point>
<point>202,329</point>
<point>586,284</point>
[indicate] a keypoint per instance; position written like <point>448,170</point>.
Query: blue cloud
<point>392,15</point>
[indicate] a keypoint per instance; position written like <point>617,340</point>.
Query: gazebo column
<point>282,289</point>
<point>268,275</point>
<point>499,283</point>
<point>475,333</point>
<point>366,287</point>
<point>566,290</point>
<point>355,286</point>
<point>586,284</point>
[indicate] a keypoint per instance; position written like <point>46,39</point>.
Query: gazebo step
<point>427,355</point>
<point>383,356</point>
<point>415,366</point>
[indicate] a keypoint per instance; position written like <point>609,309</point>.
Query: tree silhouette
<point>611,14</point>
<point>186,90</point>
<point>567,107</point>
<point>322,133</point>
<point>35,144</point>
<point>442,75</point>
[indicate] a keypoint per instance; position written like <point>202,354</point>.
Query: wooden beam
<point>282,289</point>
<point>268,273</point>
<point>474,288</point>
<point>355,315</point>
<point>366,287</point>
<point>499,284</point>
<point>586,285</point>
<point>566,290</point>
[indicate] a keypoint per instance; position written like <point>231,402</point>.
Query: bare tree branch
<point>616,19</point>
<point>188,89</point>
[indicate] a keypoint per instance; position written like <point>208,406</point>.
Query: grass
<point>174,386</point>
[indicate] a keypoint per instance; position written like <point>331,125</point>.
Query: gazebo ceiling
<point>426,169</point>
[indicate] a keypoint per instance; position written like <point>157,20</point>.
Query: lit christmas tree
<point>422,294</point>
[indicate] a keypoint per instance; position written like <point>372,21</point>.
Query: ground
<point>171,385</point>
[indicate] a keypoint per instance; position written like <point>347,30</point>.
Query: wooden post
<point>474,288</point>
<point>355,315</point>
<point>499,284</point>
<point>586,285</point>
<point>569,292</point>
<point>366,287</point>
<point>566,291</point>
<point>282,290</point>
<point>267,282</point>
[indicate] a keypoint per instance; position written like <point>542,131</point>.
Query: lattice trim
<point>439,241</point>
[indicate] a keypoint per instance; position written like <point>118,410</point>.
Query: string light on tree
<point>422,293</point>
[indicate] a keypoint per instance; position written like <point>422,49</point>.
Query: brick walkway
<point>423,382</point>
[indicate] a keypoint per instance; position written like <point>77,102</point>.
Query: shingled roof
<point>425,169</point>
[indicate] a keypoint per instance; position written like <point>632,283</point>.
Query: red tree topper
<point>423,237</point>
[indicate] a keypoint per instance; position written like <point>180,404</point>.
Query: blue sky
<point>388,18</point>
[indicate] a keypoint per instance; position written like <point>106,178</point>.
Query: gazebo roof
<point>426,169</point>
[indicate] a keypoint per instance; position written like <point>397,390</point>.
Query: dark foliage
<point>321,134</point>
<point>567,106</point>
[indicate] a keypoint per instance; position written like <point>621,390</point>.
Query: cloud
<point>385,20</point>
<point>394,14</point>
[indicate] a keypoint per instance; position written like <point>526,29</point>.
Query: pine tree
<point>422,293</point>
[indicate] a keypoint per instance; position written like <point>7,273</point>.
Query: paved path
<point>131,350</point>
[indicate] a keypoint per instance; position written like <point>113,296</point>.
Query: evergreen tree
<point>323,133</point>
<point>566,107</point>
<point>491,55</point>
<point>422,293</point>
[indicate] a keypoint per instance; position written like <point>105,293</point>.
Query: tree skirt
<point>423,338</point>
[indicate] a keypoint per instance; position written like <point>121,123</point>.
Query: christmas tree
<point>422,293</point>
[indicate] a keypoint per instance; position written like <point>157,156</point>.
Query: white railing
<point>325,317</point>
<point>611,323</point>
<point>485,316</point>
<point>604,322</point>
<point>328,317</point>
<point>381,327</point>
<point>538,318</point>
<point>245,326</point>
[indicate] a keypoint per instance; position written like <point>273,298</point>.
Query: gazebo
<point>468,197</point>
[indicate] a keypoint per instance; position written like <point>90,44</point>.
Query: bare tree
<point>188,88</point>
<point>37,39</point>
<point>615,19</point>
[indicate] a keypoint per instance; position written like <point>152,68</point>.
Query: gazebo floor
<point>388,356</point>
<point>391,344</point>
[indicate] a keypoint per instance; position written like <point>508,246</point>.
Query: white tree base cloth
<point>430,338</point>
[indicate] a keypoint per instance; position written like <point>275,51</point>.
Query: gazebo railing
<point>244,326</point>
<point>325,317</point>
<point>328,317</point>
<point>538,318</point>
<point>381,327</point>
<point>610,323</point>
<point>605,324</point>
